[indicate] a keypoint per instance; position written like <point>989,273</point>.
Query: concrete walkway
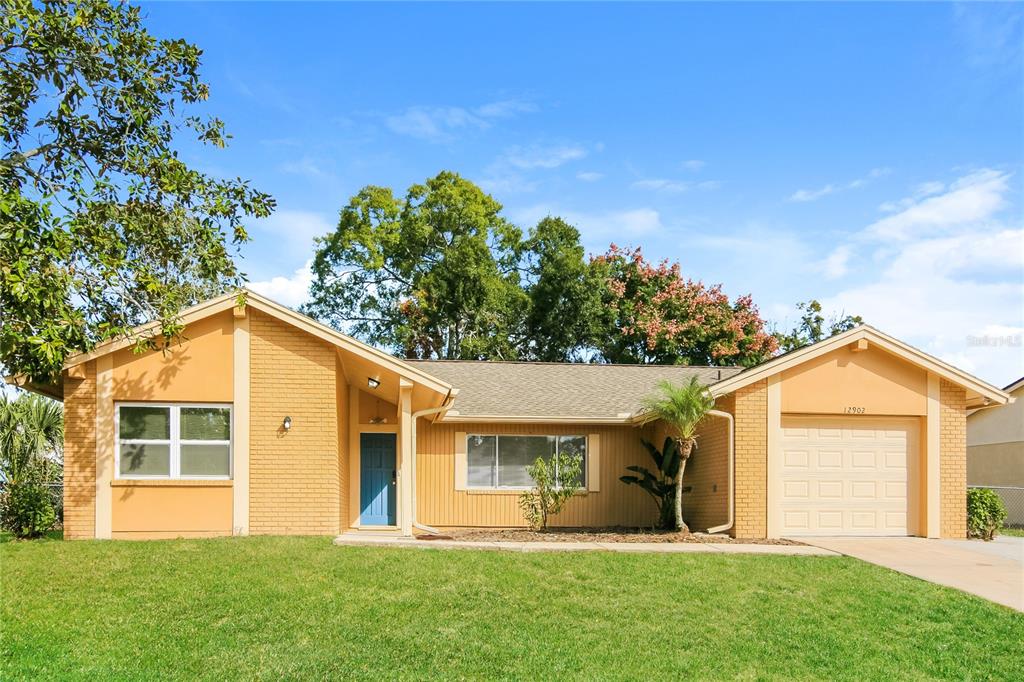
<point>992,570</point>
<point>652,547</point>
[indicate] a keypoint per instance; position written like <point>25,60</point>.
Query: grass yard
<point>301,608</point>
<point>1015,532</point>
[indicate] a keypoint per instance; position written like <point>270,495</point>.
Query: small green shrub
<point>27,509</point>
<point>985,513</point>
<point>549,495</point>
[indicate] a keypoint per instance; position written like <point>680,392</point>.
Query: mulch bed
<point>592,535</point>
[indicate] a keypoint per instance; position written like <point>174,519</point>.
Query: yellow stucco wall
<point>156,509</point>
<point>294,476</point>
<point>615,504</point>
<point>80,453</point>
<point>199,369</point>
<point>872,379</point>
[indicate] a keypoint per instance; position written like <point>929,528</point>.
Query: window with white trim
<point>500,461</point>
<point>173,441</point>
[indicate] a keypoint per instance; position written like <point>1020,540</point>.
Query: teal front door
<point>377,483</point>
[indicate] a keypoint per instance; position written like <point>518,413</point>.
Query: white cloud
<point>543,156</point>
<point>694,165</point>
<point>293,231</point>
<point>950,272</point>
<point>836,264</point>
<point>802,195</point>
<point>674,186</point>
<point>502,182</point>
<point>291,291</point>
<point>589,176</point>
<point>805,195</point>
<point>506,108</point>
<point>439,123</point>
<point>434,124</point>
<point>972,199</point>
<point>307,167</point>
<point>598,227</point>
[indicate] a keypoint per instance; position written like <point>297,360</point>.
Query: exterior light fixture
<point>287,424</point>
<point>372,383</point>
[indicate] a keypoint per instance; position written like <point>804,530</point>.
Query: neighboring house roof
<point>984,393</point>
<point>550,391</point>
<point>1019,383</point>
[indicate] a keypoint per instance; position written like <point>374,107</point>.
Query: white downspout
<point>445,404</point>
<point>732,463</point>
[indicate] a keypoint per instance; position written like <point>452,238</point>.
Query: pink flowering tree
<point>652,314</point>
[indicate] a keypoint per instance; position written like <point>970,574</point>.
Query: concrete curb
<point>624,547</point>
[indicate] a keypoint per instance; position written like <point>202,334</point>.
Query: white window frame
<point>497,450</point>
<point>174,444</point>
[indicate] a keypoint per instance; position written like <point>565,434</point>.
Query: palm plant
<point>681,409</point>
<point>31,435</point>
<point>660,485</point>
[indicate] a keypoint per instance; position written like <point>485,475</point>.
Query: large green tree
<point>651,314</point>
<point>102,225</point>
<point>431,274</point>
<point>564,294</point>
<point>814,327</point>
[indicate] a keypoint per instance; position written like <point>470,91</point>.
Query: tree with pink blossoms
<point>653,315</point>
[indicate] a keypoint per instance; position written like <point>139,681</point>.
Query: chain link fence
<point>1013,498</point>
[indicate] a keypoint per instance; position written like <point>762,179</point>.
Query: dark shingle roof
<point>564,390</point>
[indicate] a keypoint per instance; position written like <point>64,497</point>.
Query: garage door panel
<point>830,459</point>
<point>796,459</point>
<point>843,476</point>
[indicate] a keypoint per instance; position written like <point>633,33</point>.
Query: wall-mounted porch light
<point>372,383</point>
<point>287,424</point>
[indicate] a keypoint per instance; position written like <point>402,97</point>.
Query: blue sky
<point>868,155</point>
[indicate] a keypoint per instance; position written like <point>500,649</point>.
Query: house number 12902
<point>854,410</point>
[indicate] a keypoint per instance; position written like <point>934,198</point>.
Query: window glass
<point>573,446</point>
<point>205,460</point>
<point>149,459</point>
<point>502,461</point>
<point>205,423</point>
<point>516,453</point>
<point>145,423</point>
<point>480,461</point>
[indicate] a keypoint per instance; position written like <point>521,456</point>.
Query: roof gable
<point>287,315</point>
<point>985,392</point>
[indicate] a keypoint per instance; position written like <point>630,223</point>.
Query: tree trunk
<point>685,448</point>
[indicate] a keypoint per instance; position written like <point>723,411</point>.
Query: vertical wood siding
<point>616,504</point>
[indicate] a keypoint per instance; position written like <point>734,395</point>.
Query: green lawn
<point>301,608</point>
<point>1016,532</point>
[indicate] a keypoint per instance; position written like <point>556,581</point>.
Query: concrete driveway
<point>992,570</point>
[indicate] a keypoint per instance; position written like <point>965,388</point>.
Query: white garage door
<point>844,476</point>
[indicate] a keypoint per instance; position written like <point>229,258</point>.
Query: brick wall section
<point>80,455</point>
<point>294,477</point>
<point>751,412</point>
<point>953,460</point>
<point>707,476</point>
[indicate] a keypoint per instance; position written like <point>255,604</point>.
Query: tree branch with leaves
<point>102,225</point>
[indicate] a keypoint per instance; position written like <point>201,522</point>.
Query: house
<point>995,451</point>
<point>263,421</point>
